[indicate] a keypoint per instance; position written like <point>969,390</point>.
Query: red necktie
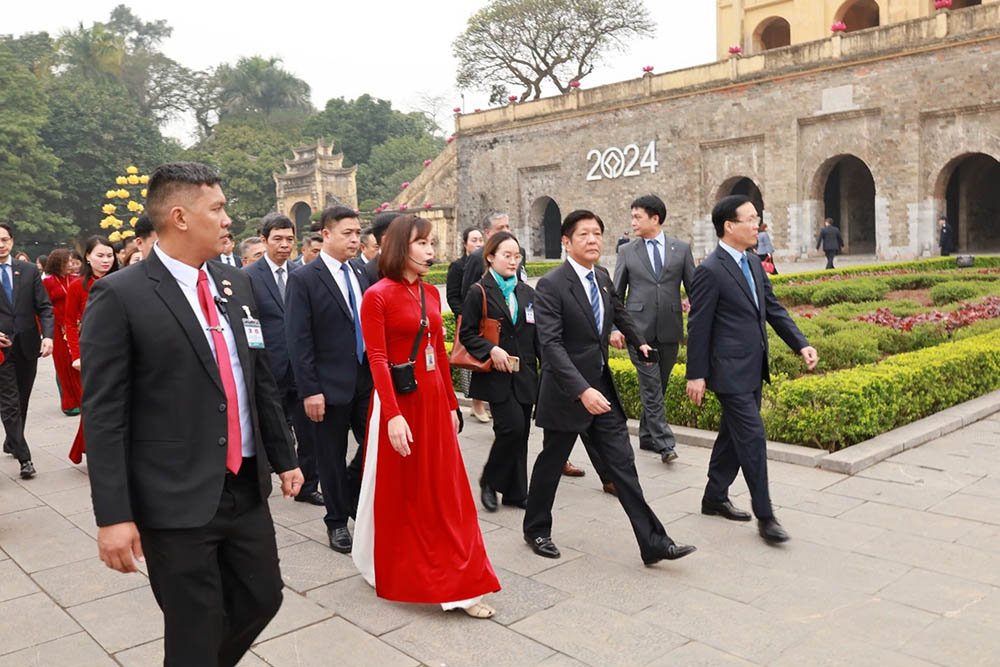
<point>234,452</point>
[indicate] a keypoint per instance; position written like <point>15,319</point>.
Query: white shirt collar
<point>733,252</point>
<point>581,271</point>
<point>275,267</point>
<point>331,262</point>
<point>182,273</point>
<point>661,238</point>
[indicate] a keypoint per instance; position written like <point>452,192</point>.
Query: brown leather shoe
<point>610,488</point>
<point>570,470</point>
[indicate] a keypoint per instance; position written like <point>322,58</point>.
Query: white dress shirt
<point>662,249</point>
<point>274,269</point>
<point>582,272</point>
<point>738,257</point>
<point>338,275</point>
<point>187,279</point>
<point>228,259</point>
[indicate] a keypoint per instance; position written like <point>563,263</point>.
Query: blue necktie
<point>359,342</point>
<point>745,267</point>
<point>595,301</point>
<point>657,260</point>
<point>8,287</point>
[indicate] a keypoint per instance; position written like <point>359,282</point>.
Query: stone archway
<point>969,189</point>
<point>847,191</point>
<point>546,222</point>
<point>859,14</point>
<point>300,214</point>
<point>772,33</point>
<point>742,185</point>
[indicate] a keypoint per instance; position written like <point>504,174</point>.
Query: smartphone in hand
<point>515,363</point>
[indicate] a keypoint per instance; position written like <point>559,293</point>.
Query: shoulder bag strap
<point>423,325</point>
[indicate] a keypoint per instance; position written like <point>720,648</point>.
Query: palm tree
<point>95,52</point>
<point>260,85</point>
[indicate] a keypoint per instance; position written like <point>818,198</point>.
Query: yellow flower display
<point>143,191</point>
<point>111,194</point>
<point>121,180</point>
<point>126,234</point>
<point>115,236</point>
<point>123,193</point>
<point>130,198</point>
<point>134,205</point>
<point>144,179</point>
<point>133,179</point>
<point>133,221</point>
<point>108,208</point>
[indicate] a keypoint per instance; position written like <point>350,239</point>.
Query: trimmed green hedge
<point>935,264</point>
<point>439,274</point>
<point>952,291</point>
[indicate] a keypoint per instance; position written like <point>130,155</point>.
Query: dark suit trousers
<point>218,585</point>
<point>341,483</point>
<point>654,432</point>
<point>506,469</point>
<point>830,254</point>
<point>609,435</point>
<point>17,377</point>
<point>305,438</point>
<point>741,444</point>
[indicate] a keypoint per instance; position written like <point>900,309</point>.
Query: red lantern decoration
<point>427,162</point>
<point>942,4</point>
<point>647,68</point>
<point>405,185</point>
<point>457,109</point>
<point>735,50</point>
<point>574,84</point>
<point>402,207</point>
<point>512,98</point>
<point>476,110</point>
<point>449,140</point>
<point>428,205</point>
<point>839,26</point>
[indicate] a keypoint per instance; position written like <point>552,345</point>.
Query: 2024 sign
<point>621,162</point>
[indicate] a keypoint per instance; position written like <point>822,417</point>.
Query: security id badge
<point>251,326</point>
<point>529,313</point>
<point>429,359</point>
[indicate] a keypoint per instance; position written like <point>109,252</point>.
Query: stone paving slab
<point>897,565</point>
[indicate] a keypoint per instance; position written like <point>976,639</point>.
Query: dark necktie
<point>359,342</point>
<point>281,282</point>
<point>234,451</point>
<point>8,287</point>
<point>745,267</point>
<point>657,260</point>
<point>595,301</point>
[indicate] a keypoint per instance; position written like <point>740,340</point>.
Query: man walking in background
<point>830,240</point>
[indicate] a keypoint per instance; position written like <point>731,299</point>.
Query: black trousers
<point>830,254</point>
<point>17,377</point>
<point>741,444</point>
<point>341,483</point>
<point>608,434</point>
<point>506,469</point>
<point>305,439</point>
<point>218,585</point>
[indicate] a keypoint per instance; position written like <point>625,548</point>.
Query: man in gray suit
<point>648,279</point>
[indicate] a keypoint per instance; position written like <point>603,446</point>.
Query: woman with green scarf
<point>511,386</point>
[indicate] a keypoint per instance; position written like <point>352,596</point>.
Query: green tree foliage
<point>357,126</point>
<point>29,189</point>
<point>392,163</point>
<point>260,85</point>
<point>527,43</point>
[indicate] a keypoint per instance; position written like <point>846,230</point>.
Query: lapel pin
<point>227,291</point>
<point>226,282</point>
<point>17,273</point>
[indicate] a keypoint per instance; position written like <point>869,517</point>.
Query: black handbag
<point>403,378</point>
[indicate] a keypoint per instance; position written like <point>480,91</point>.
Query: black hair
<point>334,215</point>
<point>569,224</point>
<point>144,227</point>
<point>274,221</point>
<point>381,223</point>
<point>312,237</point>
<point>652,205</point>
<point>465,234</point>
<point>87,272</point>
<point>8,227</point>
<point>167,178</point>
<point>725,210</point>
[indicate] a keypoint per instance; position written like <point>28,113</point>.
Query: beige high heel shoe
<point>479,610</point>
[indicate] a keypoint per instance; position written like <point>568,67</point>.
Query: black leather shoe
<point>27,470</point>
<point>314,498</point>
<point>724,509</point>
<point>543,546</point>
<point>489,498</point>
<point>771,531</point>
<point>340,540</point>
<point>673,552</point>
<point>668,456</point>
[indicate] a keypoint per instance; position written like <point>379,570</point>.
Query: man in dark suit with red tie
<point>183,421</point>
<point>731,305</point>
<point>334,382</point>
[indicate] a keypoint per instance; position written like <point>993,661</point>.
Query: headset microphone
<point>428,263</point>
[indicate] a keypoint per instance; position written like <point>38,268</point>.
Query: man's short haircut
<point>117,246</point>
<point>312,237</point>
<point>332,216</point>
<point>365,233</point>
<point>381,222</point>
<point>569,224</point>
<point>167,179</point>
<point>828,221</point>
<point>144,227</point>
<point>247,242</point>
<point>8,227</point>
<point>396,244</point>
<point>725,210</point>
<point>942,217</point>
<point>274,221</point>
<point>652,205</point>
<point>493,217</point>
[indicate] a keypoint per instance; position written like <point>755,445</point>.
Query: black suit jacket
<point>370,270</point>
<point>30,301</point>
<point>519,340</point>
<point>318,321</point>
<point>272,320</point>
<point>453,284</point>
<point>574,355</point>
<point>830,238</point>
<point>727,333</point>
<point>156,409</point>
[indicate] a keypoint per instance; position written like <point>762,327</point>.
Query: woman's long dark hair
<point>87,272</point>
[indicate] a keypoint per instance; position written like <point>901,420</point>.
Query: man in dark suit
<point>24,304</point>
<point>269,278</point>
<point>575,308</point>
<point>475,266</point>
<point>648,278</point>
<point>228,256</point>
<point>947,239</point>
<point>380,223</point>
<point>331,370</point>
<point>183,421</point>
<point>830,240</point>
<point>731,305</point>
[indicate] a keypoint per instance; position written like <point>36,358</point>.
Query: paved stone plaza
<point>899,565</point>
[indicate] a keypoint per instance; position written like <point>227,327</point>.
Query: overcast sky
<point>392,49</point>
